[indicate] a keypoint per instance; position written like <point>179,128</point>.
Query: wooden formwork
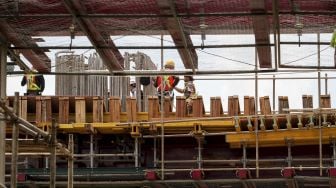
<point>233,105</point>
<point>198,107</point>
<point>325,101</point>
<point>249,105</point>
<point>265,105</point>
<point>283,104</point>
<point>216,108</point>
<point>114,109</point>
<point>307,101</point>
<point>181,107</point>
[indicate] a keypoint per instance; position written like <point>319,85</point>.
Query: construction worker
<point>169,82</point>
<point>35,83</point>
<point>189,92</point>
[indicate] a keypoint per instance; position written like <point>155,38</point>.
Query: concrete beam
<point>111,57</point>
<point>175,28</point>
<point>261,29</point>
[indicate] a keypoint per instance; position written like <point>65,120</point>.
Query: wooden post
<point>265,106</point>
<point>198,107</point>
<point>153,107</point>
<point>131,109</point>
<point>80,110</point>
<point>249,106</point>
<point>233,105</point>
<point>307,101</point>
<point>216,108</point>
<point>63,111</point>
<point>43,111</point>
<point>167,106</point>
<point>23,107</point>
<point>114,109</point>
<point>283,103</point>
<point>325,101</point>
<point>98,110</point>
<point>181,107</point>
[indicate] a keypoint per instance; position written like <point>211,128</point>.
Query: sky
<point>222,59</point>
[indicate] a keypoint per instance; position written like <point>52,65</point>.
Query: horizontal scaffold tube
<point>30,128</point>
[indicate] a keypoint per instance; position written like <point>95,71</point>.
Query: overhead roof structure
<point>21,20</point>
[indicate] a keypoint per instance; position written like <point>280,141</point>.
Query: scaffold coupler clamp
<point>332,172</point>
<point>243,173</point>
<point>197,174</point>
<point>288,172</point>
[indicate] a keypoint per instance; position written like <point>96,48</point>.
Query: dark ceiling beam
<point>89,15</point>
<point>180,38</point>
<point>36,57</point>
<point>111,57</point>
<point>261,28</point>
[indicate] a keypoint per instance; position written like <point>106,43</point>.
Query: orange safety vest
<point>31,83</point>
<point>167,84</point>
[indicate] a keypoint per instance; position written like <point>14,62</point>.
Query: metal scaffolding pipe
<point>70,161</point>
<point>3,80</point>
<point>20,120</point>
<point>15,135</point>
<point>104,155</point>
<point>53,143</point>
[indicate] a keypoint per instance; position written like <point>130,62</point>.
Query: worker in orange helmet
<point>165,84</point>
<point>35,83</point>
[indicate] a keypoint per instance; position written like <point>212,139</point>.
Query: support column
<point>15,137</point>
<point>70,161</point>
<point>3,80</point>
<point>53,143</point>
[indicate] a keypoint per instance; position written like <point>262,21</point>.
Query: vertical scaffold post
<point>3,77</point>
<point>70,161</point>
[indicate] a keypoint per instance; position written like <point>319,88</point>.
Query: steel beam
<point>111,57</point>
<point>36,57</point>
<point>261,30</point>
<point>175,27</point>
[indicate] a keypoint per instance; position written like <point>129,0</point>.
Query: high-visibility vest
<point>31,83</point>
<point>168,81</point>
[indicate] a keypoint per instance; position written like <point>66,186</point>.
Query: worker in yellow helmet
<point>35,83</point>
<point>165,84</point>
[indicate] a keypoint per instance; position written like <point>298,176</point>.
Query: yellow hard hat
<point>170,64</point>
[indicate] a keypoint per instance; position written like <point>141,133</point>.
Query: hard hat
<point>132,82</point>
<point>170,64</point>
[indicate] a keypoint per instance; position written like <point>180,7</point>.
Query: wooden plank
<point>167,106</point>
<point>216,107</point>
<point>233,105</point>
<point>181,107</point>
<point>114,109</point>
<point>198,107</point>
<point>325,101</point>
<point>80,110</point>
<point>265,106</point>
<point>98,109</point>
<point>23,107</point>
<point>38,104</point>
<point>249,105</point>
<point>131,109</point>
<point>153,107</point>
<point>283,103</point>
<point>307,101</point>
<point>63,113</point>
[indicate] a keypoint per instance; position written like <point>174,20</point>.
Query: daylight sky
<point>222,59</point>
